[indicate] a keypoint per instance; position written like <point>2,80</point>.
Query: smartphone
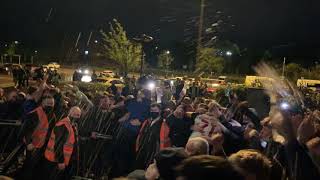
<point>264,144</point>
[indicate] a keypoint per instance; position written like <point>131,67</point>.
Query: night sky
<point>289,27</point>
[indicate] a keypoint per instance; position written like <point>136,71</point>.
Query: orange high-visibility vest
<point>164,135</point>
<point>67,147</point>
<point>40,133</point>
<point>144,124</point>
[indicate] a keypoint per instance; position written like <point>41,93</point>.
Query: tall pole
<point>88,47</point>
<point>89,39</point>
<point>167,62</point>
<point>141,63</point>
<point>283,66</point>
<point>200,30</point>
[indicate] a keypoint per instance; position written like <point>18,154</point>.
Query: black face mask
<point>154,115</point>
<point>48,109</point>
<point>73,119</point>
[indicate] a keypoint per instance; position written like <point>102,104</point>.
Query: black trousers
<point>124,153</point>
<point>30,165</point>
<point>49,170</point>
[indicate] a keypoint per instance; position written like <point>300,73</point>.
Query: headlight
<point>121,78</point>
<point>171,82</point>
<point>86,78</point>
<point>79,71</point>
<point>86,71</point>
<point>151,86</point>
<point>7,69</point>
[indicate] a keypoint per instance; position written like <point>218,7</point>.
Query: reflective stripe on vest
<point>39,134</point>
<point>67,147</point>
<point>164,136</point>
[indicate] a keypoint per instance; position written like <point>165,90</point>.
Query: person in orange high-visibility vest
<point>35,132</point>
<point>61,151</point>
<point>153,136</point>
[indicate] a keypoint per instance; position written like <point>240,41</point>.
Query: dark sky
<point>288,26</point>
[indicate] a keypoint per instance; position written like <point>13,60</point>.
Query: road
<point>6,81</point>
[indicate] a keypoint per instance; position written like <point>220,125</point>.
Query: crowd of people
<point>127,134</point>
<point>21,75</point>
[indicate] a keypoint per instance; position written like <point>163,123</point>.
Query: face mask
<point>154,115</point>
<point>73,119</point>
<point>48,109</point>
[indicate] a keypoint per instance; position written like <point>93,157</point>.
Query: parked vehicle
<point>53,65</point>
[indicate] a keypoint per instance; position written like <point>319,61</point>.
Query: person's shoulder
<point>170,120</point>
<point>62,129</point>
<point>29,102</point>
<point>31,115</point>
<point>159,123</point>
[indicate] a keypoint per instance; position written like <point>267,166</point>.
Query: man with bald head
<point>61,151</point>
<point>197,146</point>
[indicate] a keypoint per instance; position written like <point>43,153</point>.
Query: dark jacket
<point>31,122</point>
<point>61,136</point>
<point>180,130</point>
<point>149,144</point>
<point>300,164</point>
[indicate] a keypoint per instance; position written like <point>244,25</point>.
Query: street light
<point>143,39</point>
<point>86,56</point>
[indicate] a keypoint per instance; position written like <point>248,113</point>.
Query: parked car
<point>107,73</point>
<point>109,81</point>
<point>53,65</point>
<point>83,74</point>
<point>9,66</point>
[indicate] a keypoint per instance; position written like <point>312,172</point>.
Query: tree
<point>209,61</point>
<point>118,48</point>
<point>165,59</point>
<point>293,71</point>
<point>267,55</point>
<point>232,53</point>
<point>11,51</point>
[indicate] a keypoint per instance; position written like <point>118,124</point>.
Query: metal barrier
<point>6,122</point>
